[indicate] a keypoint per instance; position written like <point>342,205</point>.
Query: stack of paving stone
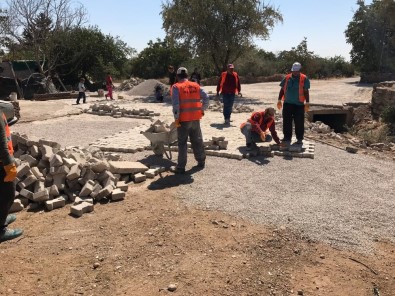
<point>129,84</point>
<point>50,176</point>
<point>118,112</point>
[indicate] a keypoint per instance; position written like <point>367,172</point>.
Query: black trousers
<point>7,195</point>
<point>81,95</point>
<point>293,114</point>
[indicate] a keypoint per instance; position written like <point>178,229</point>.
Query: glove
<point>240,95</point>
<point>177,123</point>
<point>306,107</point>
<point>263,136</point>
<point>10,171</point>
<point>279,105</point>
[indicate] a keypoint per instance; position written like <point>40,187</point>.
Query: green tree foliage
<point>219,30</point>
<point>88,52</point>
<point>372,36</point>
<point>153,61</point>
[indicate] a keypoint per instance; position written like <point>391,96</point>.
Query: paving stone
<point>41,196</point>
<point>55,203</point>
<point>139,177</point>
<point>127,167</point>
<point>74,172</point>
<point>117,194</point>
<point>80,209</point>
<point>16,206</point>
<point>29,159</point>
<point>55,160</point>
<point>122,186</point>
<point>22,170</point>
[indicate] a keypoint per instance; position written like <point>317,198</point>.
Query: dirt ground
<point>154,244</point>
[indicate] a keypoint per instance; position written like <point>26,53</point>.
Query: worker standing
<point>294,93</point>
<point>189,102</point>
<point>81,91</point>
<point>228,85</point>
<point>257,128</point>
<point>109,86</point>
<point>8,173</point>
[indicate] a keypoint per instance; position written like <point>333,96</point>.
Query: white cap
<point>182,70</point>
<point>296,66</point>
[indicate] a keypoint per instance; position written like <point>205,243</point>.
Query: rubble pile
<point>50,176</point>
<point>318,127</point>
<point>129,84</point>
<point>118,112</point>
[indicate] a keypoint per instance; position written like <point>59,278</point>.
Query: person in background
<point>257,127</point>
<point>189,102</point>
<point>294,93</point>
<point>8,174</point>
<point>172,75</point>
<point>109,86</point>
<point>228,85</point>
<point>81,91</point>
<point>195,76</point>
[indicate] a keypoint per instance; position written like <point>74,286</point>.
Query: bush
<point>388,115</point>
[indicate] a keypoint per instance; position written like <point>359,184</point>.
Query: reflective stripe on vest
<point>223,78</point>
<point>8,136</point>
<point>190,103</point>
<point>302,78</point>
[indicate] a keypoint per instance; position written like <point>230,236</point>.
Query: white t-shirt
<point>81,87</point>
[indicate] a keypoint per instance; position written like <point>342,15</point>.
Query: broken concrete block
<point>106,191</point>
<point>127,167</point>
<point>29,159</point>
<point>117,194</point>
<point>80,209</point>
<point>139,177</point>
<point>16,206</point>
<point>122,186</point>
<point>55,160</point>
<point>55,203</point>
<point>26,193</point>
<point>41,196</point>
<point>28,181</point>
<point>74,172</point>
<point>22,170</point>
<point>87,188</point>
<point>80,199</point>
<point>151,173</point>
<point>46,152</point>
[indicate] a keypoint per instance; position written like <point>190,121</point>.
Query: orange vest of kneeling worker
<point>8,136</point>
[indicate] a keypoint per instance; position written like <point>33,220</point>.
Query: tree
<point>221,30</point>
<point>33,24</point>
<point>157,56</point>
<point>372,36</point>
<point>88,52</point>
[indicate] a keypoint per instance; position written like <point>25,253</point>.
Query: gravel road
<point>339,198</point>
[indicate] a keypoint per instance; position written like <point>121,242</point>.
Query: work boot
<point>299,142</point>
<point>201,164</point>
<point>227,121</point>
<point>8,234</point>
<point>10,218</point>
<point>177,170</point>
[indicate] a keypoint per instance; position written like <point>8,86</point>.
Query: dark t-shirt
<point>172,78</point>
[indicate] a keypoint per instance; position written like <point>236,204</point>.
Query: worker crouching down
<point>188,109</point>
<point>257,128</point>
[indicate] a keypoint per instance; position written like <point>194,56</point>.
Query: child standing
<point>81,91</point>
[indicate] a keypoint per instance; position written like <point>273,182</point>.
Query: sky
<point>322,22</point>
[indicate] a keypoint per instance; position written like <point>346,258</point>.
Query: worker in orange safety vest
<point>189,101</point>
<point>294,93</point>
<point>257,128</point>
<point>8,172</point>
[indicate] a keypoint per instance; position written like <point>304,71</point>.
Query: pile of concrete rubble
<point>237,108</point>
<point>129,84</point>
<point>117,112</point>
<point>50,176</point>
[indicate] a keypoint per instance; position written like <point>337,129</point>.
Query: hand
<point>10,171</point>
<point>177,123</point>
<point>263,136</point>
<point>202,112</point>
<point>279,105</point>
<point>306,107</point>
<point>240,95</point>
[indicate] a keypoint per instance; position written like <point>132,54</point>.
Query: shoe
<point>8,234</point>
<point>201,164</point>
<point>227,121</point>
<point>177,170</point>
<point>299,142</point>
<point>248,145</point>
<point>10,218</point>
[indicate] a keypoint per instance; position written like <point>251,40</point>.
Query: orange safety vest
<point>190,103</point>
<point>8,136</point>
<point>250,120</point>
<point>223,77</point>
<point>302,78</point>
